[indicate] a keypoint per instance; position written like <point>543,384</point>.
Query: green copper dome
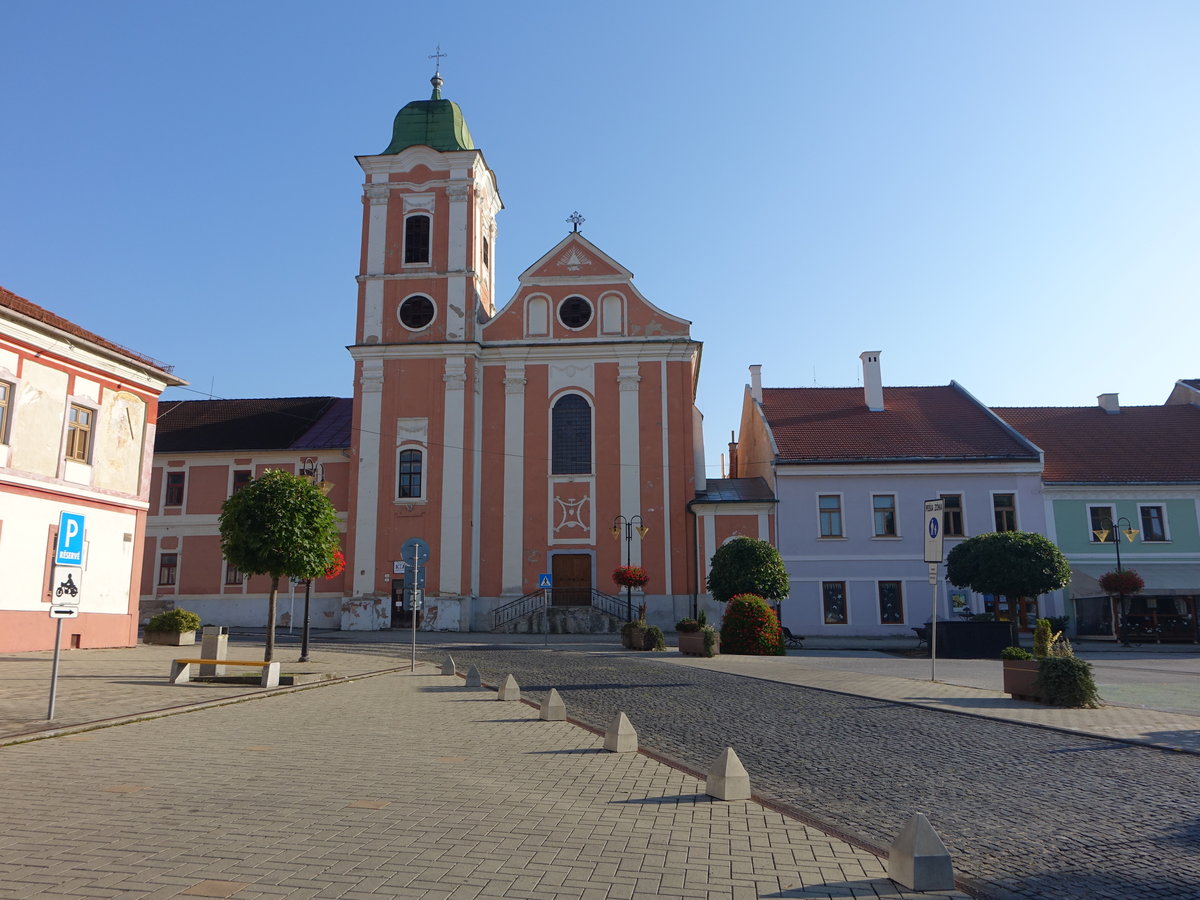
<point>435,122</point>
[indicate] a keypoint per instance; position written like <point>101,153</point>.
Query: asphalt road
<point>1025,812</point>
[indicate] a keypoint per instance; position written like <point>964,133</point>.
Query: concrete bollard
<point>510,690</point>
<point>553,708</point>
<point>448,667</point>
<point>728,778</point>
<point>620,737</point>
<point>918,860</point>
<point>473,679</point>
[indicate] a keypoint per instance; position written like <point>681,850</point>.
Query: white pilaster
<point>367,503</point>
<point>372,322</point>
<point>630,443</point>
<point>667,481</point>
<point>453,432</point>
<point>514,478</point>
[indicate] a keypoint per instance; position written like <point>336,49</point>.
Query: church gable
<point>575,257</point>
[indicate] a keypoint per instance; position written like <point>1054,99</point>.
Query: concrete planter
<point>691,643</point>
<point>171,638</point>
<point>637,639</point>
<point>1019,677</point>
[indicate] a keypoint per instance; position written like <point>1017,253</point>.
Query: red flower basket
<point>1121,583</point>
<point>338,567</point>
<point>630,576</point>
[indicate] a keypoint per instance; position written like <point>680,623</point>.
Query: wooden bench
<point>922,634</point>
<point>181,669</point>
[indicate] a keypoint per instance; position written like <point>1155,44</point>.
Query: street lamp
<point>314,472</point>
<point>1130,534</point>
<point>634,523</point>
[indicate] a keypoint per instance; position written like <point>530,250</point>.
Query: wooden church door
<point>572,574</point>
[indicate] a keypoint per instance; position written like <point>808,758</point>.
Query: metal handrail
<point>523,606</point>
<point>607,603</point>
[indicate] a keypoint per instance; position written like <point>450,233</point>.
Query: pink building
<point>77,418</point>
<point>509,437</point>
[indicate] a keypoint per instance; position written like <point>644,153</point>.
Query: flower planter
<point>171,638</point>
<point>1019,676</point>
<point>691,643</point>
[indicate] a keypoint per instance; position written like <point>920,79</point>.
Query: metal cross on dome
<point>439,56</point>
<point>576,220</point>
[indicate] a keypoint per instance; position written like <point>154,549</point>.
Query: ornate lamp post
<point>1130,533</point>
<point>628,526</point>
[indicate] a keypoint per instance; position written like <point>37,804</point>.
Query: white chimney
<point>756,383</point>
<point>1108,403</point>
<point>872,380</point>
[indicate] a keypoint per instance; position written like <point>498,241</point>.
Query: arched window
<point>571,436</point>
<point>416,239</point>
<point>408,475</point>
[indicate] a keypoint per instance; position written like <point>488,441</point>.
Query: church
<point>532,446</point>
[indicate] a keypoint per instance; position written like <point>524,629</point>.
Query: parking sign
<point>69,550</point>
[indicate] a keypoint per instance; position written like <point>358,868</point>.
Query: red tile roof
<point>1138,445</point>
<point>815,425</point>
<point>31,310</point>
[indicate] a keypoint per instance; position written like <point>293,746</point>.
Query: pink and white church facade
<point>510,437</point>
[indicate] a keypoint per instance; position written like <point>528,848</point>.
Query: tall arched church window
<point>416,239</point>
<point>408,475</point>
<point>571,436</point>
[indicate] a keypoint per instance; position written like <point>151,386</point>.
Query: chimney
<point>872,380</point>
<point>1108,403</point>
<point>756,383</point>
<point>733,460</point>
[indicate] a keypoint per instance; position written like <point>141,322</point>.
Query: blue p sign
<point>69,551</point>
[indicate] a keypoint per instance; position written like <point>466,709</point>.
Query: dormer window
<point>416,240</point>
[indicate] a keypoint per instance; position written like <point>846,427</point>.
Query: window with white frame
<point>952,515</point>
<point>829,509</point>
<point>571,436</point>
<point>174,492</point>
<point>883,509</point>
<point>1004,506</point>
<point>168,567</point>
<point>1154,523</point>
<point>233,575</point>
<point>416,240</point>
<point>833,602</point>
<point>410,464</point>
<point>1100,524</point>
<point>6,392</point>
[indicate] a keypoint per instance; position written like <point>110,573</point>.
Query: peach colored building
<point>77,419</point>
<point>510,437</point>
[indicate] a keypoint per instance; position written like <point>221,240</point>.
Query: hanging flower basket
<point>630,576</point>
<point>338,567</point>
<point>1121,583</point>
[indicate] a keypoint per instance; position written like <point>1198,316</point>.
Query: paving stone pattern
<point>397,785</point>
<point>1026,812</point>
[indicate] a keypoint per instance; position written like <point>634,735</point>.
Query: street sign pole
<point>418,551</point>
<point>54,668</point>
<point>933,555</point>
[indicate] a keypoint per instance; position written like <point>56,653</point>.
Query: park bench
<point>181,669</point>
<point>792,640</point>
<point>922,634</point>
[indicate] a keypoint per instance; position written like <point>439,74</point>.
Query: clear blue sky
<point>1002,194</point>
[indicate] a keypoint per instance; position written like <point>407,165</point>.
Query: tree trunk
<point>269,653</point>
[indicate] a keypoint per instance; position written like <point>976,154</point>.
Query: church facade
<point>545,440</point>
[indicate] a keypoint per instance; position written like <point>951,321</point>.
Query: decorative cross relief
<point>571,514</point>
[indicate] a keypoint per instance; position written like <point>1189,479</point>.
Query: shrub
<point>655,638</point>
<point>710,639</point>
<point>174,620</point>
<point>1060,647</point>
<point>687,625</point>
<point>746,566</point>
<point>1015,653</point>
<point>751,627</point>
<point>1041,639</point>
<point>1066,681</point>
<point>702,617</point>
<point>1122,583</point>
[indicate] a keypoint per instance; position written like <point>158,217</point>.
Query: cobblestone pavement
<point>1026,812</point>
<point>396,785</point>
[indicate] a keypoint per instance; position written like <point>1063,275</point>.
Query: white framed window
<point>173,488</point>
<point>575,312</point>
<point>952,515</point>
<point>1153,517</point>
<point>80,422</point>
<point>1004,511</point>
<point>410,473</point>
<point>418,239</point>
<point>1100,523</point>
<point>7,389</point>
<point>417,312</point>
<point>829,516</point>
<point>883,515</point>
<point>571,436</point>
<point>891,601</point>
<point>834,604</point>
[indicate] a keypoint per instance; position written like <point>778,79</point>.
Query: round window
<point>416,312</point>
<point>575,312</point>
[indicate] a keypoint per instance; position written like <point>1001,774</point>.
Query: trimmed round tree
<point>750,627</point>
<point>1008,563</point>
<point>747,566</point>
<point>282,526</point>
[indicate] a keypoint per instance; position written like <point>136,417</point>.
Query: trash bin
<point>214,644</point>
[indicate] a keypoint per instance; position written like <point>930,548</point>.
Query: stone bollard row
<point>509,690</point>
<point>448,666</point>
<point>919,860</point>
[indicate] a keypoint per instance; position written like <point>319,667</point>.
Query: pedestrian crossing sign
<point>544,581</point>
